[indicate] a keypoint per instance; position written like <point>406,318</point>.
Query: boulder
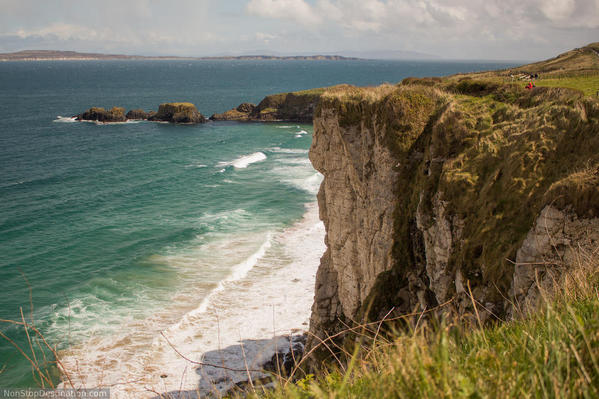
<point>246,108</point>
<point>177,113</point>
<point>115,114</point>
<point>137,114</point>
<point>243,112</point>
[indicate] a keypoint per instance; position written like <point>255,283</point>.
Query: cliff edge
<point>435,188</point>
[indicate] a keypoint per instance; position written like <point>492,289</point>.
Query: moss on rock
<point>178,113</point>
<point>137,114</point>
<point>115,114</point>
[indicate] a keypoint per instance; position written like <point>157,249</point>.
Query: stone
<point>178,113</point>
<point>115,114</point>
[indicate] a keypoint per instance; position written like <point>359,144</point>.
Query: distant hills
<point>44,55</point>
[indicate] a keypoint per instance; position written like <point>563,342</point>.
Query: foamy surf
<point>65,119</point>
<point>256,306</point>
<point>244,161</point>
<point>288,150</point>
<point>72,119</point>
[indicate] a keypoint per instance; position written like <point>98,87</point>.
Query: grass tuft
<point>553,353</point>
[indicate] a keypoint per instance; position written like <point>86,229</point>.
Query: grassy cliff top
<point>576,69</point>
<point>580,59</point>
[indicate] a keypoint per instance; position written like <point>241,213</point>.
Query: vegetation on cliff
<point>495,154</point>
<point>551,354</point>
<point>492,190</point>
<point>495,188</point>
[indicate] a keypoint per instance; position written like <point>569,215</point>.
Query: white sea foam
<point>238,272</point>
<point>196,165</point>
<point>244,318</point>
<point>302,132</point>
<point>245,160</point>
<point>65,119</point>
<point>288,150</point>
<point>99,123</point>
<point>297,172</point>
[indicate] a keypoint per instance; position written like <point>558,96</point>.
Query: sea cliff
<point>450,191</point>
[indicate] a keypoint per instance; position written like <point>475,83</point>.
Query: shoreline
<point>253,314</point>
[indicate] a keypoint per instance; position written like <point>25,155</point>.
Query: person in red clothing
<point>529,86</point>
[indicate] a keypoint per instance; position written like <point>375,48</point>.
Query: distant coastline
<point>52,55</point>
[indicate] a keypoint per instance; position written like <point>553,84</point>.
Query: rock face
<point>115,114</point>
<point>291,107</point>
<point>178,113</point>
<point>137,114</point>
<point>433,189</point>
<point>550,246</point>
<point>242,113</point>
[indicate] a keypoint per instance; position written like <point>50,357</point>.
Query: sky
<point>453,29</point>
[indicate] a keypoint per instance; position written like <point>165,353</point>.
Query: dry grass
<point>552,353</point>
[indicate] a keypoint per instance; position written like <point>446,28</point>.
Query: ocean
<point>139,238</point>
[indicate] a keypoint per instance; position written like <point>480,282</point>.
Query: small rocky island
<point>296,106</point>
<point>115,114</point>
<point>178,113</point>
<point>182,112</point>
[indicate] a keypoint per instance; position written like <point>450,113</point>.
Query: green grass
<point>589,85</point>
<point>553,353</point>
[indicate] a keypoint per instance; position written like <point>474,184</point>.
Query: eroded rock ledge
<point>433,188</point>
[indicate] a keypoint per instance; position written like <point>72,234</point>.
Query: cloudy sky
<point>462,29</point>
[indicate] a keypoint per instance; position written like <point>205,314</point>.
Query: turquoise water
<point>109,223</point>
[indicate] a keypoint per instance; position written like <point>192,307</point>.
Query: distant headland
<point>54,55</point>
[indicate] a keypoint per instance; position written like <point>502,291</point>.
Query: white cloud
<point>297,10</point>
<point>454,28</point>
<point>441,24</point>
<point>64,31</point>
<point>264,37</point>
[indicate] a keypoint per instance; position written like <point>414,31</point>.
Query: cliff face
<point>433,189</point>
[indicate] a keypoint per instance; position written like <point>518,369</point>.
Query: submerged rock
<point>178,113</point>
<point>115,114</point>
